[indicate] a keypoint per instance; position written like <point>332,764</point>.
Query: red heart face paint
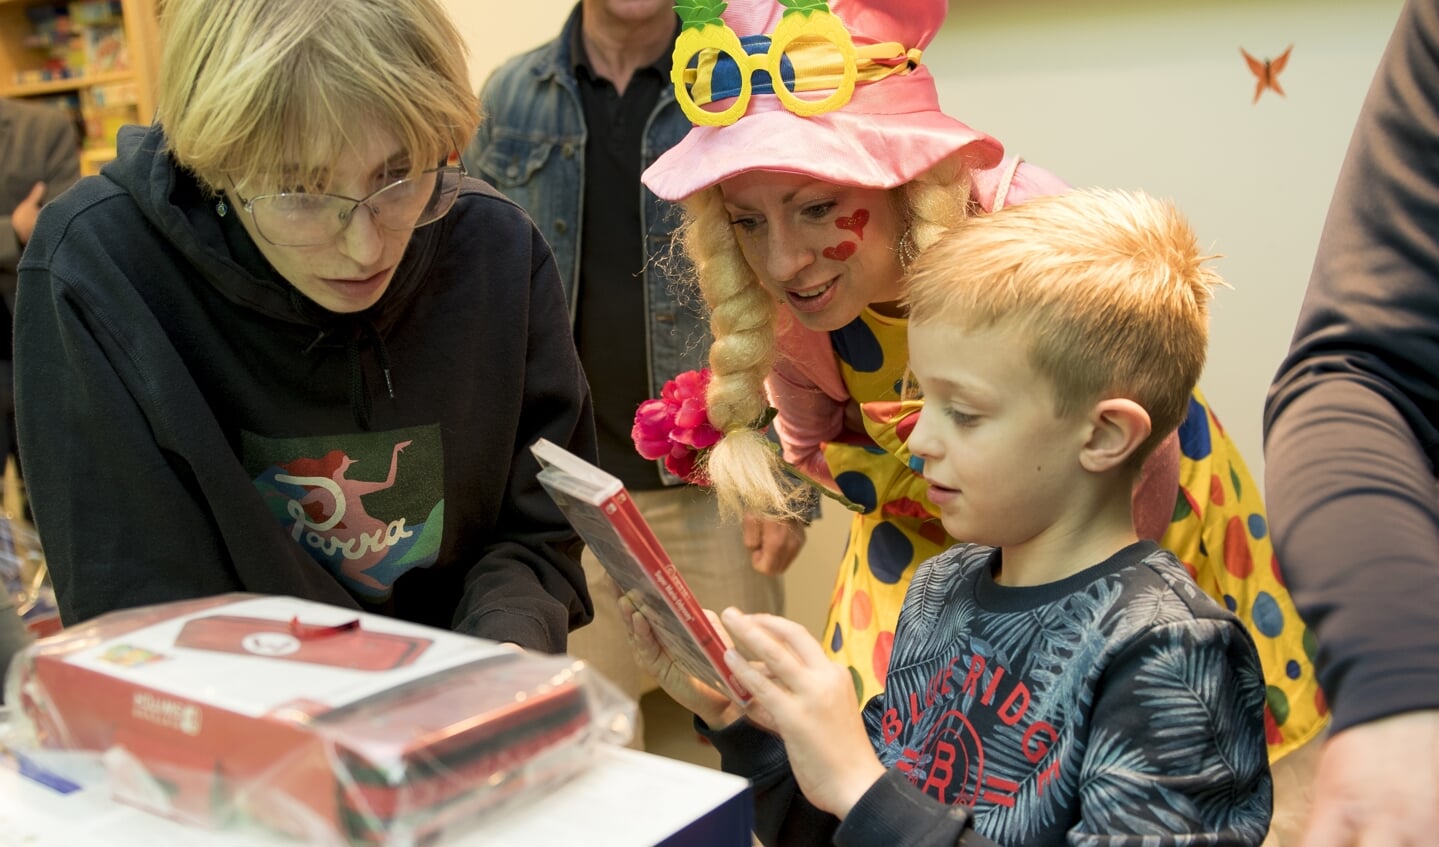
<point>806,242</point>
<point>855,222</point>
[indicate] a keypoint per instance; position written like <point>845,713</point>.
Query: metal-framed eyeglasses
<point>302,219</point>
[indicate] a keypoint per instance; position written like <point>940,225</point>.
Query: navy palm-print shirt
<point>1120,706</point>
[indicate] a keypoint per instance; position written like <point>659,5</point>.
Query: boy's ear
<point>1119,426</point>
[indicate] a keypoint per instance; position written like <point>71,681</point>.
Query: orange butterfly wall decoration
<point>1267,71</point>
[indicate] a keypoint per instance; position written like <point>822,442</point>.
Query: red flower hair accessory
<point>676,427</point>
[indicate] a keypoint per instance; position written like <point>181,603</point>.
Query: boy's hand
<point>712,707</point>
<point>810,701</point>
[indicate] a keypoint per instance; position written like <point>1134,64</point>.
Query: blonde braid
<point>937,200</point>
<point>744,468</point>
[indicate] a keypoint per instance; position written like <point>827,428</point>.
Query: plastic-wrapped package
<point>327,724</point>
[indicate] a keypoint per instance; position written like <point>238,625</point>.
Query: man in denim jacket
<point>568,128</point>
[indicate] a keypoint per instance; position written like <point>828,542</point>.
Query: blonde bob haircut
<point>267,90</point>
<point>743,468</point>
<point>1108,288</point>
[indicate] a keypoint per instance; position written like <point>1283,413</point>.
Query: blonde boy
<point>1059,681</point>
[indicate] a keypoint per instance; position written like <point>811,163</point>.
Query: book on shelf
<point>106,50</point>
<point>600,509</point>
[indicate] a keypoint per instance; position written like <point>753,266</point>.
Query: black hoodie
<point>191,424</point>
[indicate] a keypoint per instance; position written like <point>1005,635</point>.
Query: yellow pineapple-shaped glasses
<point>703,29</point>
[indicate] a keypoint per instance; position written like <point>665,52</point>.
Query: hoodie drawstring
<point>361,330</point>
<point>361,406</point>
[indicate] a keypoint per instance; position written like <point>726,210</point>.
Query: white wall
<point>498,29</point>
<point>1148,94</point>
<point>1139,94</point>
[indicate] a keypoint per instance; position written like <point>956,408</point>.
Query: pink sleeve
<point>806,387</point>
<point>1013,181</point>
<point>1158,486</point>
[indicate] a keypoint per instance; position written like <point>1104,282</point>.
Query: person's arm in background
<point>17,225</point>
<point>807,391</point>
<point>1351,446</point>
<point>55,158</point>
<point>775,544</point>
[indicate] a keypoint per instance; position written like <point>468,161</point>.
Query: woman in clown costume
<point>804,202</point>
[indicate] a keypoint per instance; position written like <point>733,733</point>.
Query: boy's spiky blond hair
<point>1109,288</point>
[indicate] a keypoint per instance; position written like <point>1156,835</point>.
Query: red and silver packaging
<point>327,724</point>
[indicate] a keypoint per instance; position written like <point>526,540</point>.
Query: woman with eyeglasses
<point>283,345</point>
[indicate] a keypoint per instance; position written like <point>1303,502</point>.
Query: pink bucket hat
<point>888,131</point>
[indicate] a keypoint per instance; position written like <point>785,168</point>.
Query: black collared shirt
<point>610,324</point>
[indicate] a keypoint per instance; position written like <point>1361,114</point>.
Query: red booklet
<point>601,511</point>
<point>359,649</point>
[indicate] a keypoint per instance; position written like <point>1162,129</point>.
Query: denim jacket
<point>531,146</point>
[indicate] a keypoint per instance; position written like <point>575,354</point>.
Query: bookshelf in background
<point>94,58</point>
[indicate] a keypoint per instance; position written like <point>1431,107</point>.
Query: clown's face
<point>826,251</point>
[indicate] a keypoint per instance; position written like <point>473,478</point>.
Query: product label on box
<point>256,655</point>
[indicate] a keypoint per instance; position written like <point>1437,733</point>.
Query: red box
<point>382,732</point>
<point>360,649</point>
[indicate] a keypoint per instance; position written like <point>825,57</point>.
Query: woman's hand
<point>773,545</point>
<point>810,701</point>
<point>712,707</point>
<point>854,417</point>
